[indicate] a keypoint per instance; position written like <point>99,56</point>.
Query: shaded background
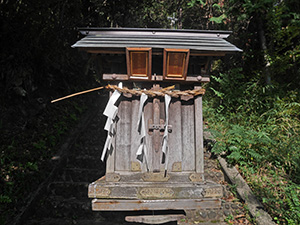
<point>37,64</point>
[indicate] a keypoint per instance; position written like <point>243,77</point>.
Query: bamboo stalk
<point>78,93</point>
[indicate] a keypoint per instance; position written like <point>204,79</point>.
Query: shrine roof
<point>198,40</point>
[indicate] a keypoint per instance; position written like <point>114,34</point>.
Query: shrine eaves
<point>148,54</point>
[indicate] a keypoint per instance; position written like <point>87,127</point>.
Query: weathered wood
<point>188,136</point>
<point>123,138</point>
<point>124,77</point>
<point>196,53</point>
<point>154,219</point>
<point>156,137</point>
<point>148,113</point>
<point>199,134</point>
<point>204,79</point>
<point>129,205</point>
<point>175,137</point>
<point>129,184</point>
<point>134,191</point>
<point>175,179</point>
<point>154,186</point>
<point>135,137</point>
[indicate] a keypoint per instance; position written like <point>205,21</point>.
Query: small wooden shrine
<point>154,147</point>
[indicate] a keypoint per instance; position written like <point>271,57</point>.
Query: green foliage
<point>219,19</point>
<point>294,204</point>
<point>257,127</point>
<point>192,3</point>
<point>243,144</point>
<point>229,218</point>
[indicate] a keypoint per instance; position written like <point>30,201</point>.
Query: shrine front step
<point>161,204</point>
<point>141,186</point>
<point>132,193</point>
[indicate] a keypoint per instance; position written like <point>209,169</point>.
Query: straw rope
<point>159,93</point>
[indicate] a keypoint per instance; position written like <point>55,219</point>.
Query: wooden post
<point>156,133</point>
<point>123,141</point>
<point>199,134</point>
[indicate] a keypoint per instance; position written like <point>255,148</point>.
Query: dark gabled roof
<point>198,40</point>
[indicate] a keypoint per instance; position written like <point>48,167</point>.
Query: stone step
<point>214,175</point>
<point>59,207</point>
<point>67,190</point>
<point>59,210</point>
<point>85,162</point>
<point>79,175</point>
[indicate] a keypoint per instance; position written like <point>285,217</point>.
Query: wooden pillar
<point>156,133</point>
<point>123,139</point>
<point>199,134</point>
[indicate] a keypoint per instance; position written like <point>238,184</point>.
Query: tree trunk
<point>263,46</point>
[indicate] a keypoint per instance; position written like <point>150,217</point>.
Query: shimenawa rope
<point>159,93</point>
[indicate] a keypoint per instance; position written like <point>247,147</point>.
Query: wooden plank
<point>199,134</point>
<point>161,190</point>
<point>154,219</point>
<point>175,138</point>
<point>166,204</point>
<point>123,136</point>
<point>135,137</point>
<point>207,53</point>
<point>104,50</point>
<point>148,113</point>
<point>188,136</point>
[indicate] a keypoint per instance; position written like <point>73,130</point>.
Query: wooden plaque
<point>139,63</point>
<point>176,63</point>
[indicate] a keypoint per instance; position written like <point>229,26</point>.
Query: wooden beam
<point>124,77</point>
<point>104,50</point>
<point>196,53</point>
<point>155,51</point>
<point>165,204</point>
